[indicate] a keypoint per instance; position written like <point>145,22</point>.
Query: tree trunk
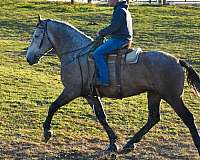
<point>72,1</point>
<point>89,1</point>
<point>160,1</point>
<point>163,2</point>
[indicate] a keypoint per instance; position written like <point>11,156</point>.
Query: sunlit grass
<point>27,91</point>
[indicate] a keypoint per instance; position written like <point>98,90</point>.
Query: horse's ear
<point>39,18</point>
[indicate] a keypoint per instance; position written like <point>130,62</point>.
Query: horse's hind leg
<point>154,117</point>
<point>187,118</point>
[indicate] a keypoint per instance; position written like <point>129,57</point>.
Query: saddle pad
<point>130,56</point>
<point>133,56</point>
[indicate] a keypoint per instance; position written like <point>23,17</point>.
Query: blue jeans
<point>100,53</point>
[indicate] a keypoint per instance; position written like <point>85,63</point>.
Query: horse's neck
<point>67,38</point>
<point>71,46</point>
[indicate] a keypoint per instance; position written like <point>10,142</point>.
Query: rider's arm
<point>118,19</point>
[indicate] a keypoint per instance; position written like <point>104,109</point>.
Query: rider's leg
<point>101,65</point>
<point>99,56</point>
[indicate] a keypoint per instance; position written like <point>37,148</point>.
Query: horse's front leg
<point>63,99</point>
<point>96,104</point>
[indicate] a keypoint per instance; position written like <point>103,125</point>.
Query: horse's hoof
<point>47,135</point>
<point>110,152</point>
<point>127,148</point>
<point>112,148</point>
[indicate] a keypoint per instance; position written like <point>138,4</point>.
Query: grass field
<point>27,91</point>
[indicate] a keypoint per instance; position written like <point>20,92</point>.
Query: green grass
<point>27,91</point>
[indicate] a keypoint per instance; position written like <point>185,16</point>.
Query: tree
<point>162,1</point>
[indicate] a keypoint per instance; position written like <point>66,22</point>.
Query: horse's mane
<point>70,26</point>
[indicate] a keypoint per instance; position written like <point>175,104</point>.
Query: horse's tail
<point>192,76</point>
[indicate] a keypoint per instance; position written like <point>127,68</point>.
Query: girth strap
<point>118,74</point>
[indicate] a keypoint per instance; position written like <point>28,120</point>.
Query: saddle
<point>116,60</point>
<point>119,52</point>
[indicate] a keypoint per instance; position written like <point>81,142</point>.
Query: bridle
<point>53,46</point>
<point>45,32</point>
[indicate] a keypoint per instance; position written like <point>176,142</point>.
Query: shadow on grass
<point>15,150</point>
<point>18,27</point>
<point>28,150</point>
<point>97,155</point>
<point>75,155</point>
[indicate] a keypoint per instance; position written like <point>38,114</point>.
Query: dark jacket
<point>121,23</point>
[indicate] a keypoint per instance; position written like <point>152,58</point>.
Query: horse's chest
<point>69,74</point>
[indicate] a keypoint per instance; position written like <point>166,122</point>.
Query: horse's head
<point>40,43</point>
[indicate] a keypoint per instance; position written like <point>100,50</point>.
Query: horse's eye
<point>36,36</point>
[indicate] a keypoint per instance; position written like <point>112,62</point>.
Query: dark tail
<point>192,77</point>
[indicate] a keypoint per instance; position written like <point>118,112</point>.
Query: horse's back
<point>155,71</point>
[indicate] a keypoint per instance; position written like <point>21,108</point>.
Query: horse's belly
<point>125,80</point>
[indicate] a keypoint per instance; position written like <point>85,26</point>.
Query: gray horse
<point>159,74</point>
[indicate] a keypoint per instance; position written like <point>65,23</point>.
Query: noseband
<point>45,32</point>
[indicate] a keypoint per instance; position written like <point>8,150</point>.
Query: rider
<point>120,31</point>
